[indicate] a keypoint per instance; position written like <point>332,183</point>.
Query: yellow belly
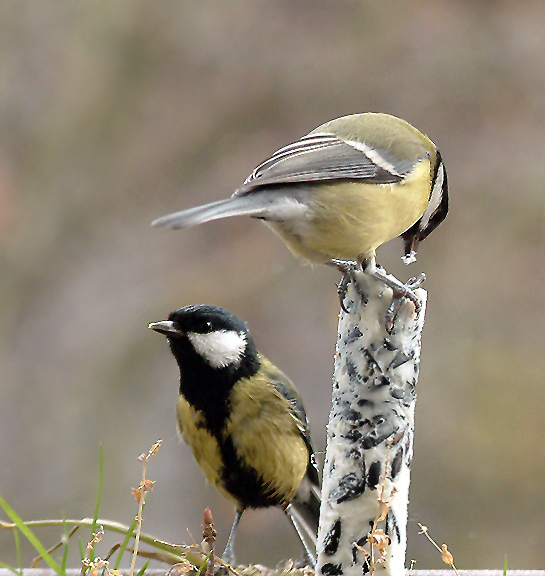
<point>349,219</point>
<point>203,445</point>
<point>264,434</point>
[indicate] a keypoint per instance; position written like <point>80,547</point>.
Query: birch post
<point>365,493</point>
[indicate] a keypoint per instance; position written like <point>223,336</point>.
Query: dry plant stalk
<point>208,539</point>
<point>98,564</point>
<point>140,495</point>
<point>36,561</point>
<point>180,568</point>
<point>377,539</point>
<point>446,556</point>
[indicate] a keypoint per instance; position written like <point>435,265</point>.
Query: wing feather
<point>285,388</point>
<point>319,157</point>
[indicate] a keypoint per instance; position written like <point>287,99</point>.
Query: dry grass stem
<point>98,564</point>
<point>62,542</point>
<point>208,539</point>
<point>446,556</point>
<point>140,495</point>
<point>377,540</point>
<point>180,568</point>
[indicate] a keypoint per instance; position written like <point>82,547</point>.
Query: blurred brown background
<point>114,113</point>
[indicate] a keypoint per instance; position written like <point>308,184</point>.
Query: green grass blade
<point>124,544</point>
<point>169,550</point>
<point>11,568</point>
<point>31,537</point>
<point>18,550</point>
<point>81,549</point>
<point>143,569</point>
<point>203,565</point>
<point>99,498</point>
<point>505,565</point>
<point>65,542</point>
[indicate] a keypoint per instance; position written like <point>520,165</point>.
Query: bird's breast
<point>349,218</point>
<point>204,445</point>
<point>257,459</point>
<point>267,438</point>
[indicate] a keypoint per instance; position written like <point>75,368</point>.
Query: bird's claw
<point>414,283</point>
<point>347,268</point>
<point>404,291</point>
<point>342,289</point>
<point>400,291</point>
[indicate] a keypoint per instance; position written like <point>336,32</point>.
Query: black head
<point>214,351</point>
<point>201,319</point>
<point>434,214</point>
<point>207,334</point>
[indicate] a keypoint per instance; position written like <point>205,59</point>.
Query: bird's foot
<point>414,283</point>
<point>347,268</point>
<point>306,560</point>
<point>368,266</point>
<point>400,291</point>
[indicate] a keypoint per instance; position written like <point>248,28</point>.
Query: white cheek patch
<point>435,198</point>
<point>220,348</point>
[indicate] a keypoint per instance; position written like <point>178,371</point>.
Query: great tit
<point>340,192</point>
<point>243,419</point>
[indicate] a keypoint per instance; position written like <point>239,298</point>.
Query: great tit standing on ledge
<point>340,192</point>
<point>243,419</point>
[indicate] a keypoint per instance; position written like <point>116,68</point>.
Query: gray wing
<point>306,501</point>
<point>287,390</point>
<point>319,157</point>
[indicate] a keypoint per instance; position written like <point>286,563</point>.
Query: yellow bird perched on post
<point>341,191</point>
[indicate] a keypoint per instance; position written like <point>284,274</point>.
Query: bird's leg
<point>229,552</point>
<point>347,268</point>
<point>309,557</point>
<point>368,266</point>
<point>400,290</point>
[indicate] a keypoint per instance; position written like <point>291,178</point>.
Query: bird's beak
<point>165,327</point>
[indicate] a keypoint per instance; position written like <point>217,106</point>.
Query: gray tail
<point>304,513</point>
<point>306,503</point>
<point>235,206</point>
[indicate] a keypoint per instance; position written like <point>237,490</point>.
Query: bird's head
<point>218,337</point>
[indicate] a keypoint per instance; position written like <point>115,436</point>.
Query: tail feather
<point>306,503</point>
<point>234,206</point>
